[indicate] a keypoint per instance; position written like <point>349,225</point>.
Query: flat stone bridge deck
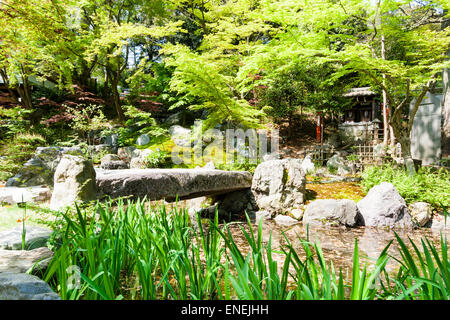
<point>158,184</point>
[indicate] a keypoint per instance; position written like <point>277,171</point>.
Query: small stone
<point>21,286</point>
<point>112,140</point>
<point>114,165</point>
<point>262,215</point>
<point>143,140</point>
<point>127,153</point>
<point>110,157</point>
<point>338,162</point>
<point>285,221</point>
<point>420,212</point>
<point>209,166</point>
<point>297,214</point>
<point>181,136</point>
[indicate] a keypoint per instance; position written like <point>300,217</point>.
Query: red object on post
<point>319,126</point>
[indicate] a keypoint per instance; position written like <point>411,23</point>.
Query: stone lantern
<point>376,128</point>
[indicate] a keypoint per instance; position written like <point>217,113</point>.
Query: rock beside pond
<point>420,212</point>
<point>439,223</point>
<point>35,237</point>
<point>384,207</point>
<point>13,195</point>
<point>21,286</point>
<point>22,261</point>
<point>279,185</point>
<point>332,212</point>
<point>285,221</point>
<point>262,215</point>
<point>297,214</point>
<point>74,180</point>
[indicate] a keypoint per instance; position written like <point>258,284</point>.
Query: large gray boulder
<point>40,169</point>
<point>384,207</point>
<point>285,221</point>
<point>279,185</point>
<point>74,181</point>
<point>35,237</point>
<point>168,183</point>
<point>21,286</point>
<point>22,261</point>
<point>332,212</point>
<point>14,195</point>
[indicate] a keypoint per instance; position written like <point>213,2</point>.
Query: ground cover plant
<point>428,185</point>
<point>133,250</point>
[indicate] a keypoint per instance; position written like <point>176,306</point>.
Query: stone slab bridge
<point>158,184</point>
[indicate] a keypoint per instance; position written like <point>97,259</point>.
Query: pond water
<point>338,243</point>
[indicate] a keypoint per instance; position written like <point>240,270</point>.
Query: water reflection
<point>338,243</point>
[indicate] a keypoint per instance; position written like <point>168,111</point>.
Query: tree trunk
<point>392,136</point>
<point>116,101</point>
<point>114,82</point>
<point>405,143</point>
<point>385,114</point>
<point>25,94</point>
<point>291,125</point>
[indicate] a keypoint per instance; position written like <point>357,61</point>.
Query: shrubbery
<point>17,151</point>
<point>428,185</point>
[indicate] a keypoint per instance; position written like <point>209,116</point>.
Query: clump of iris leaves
<point>135,250</point>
